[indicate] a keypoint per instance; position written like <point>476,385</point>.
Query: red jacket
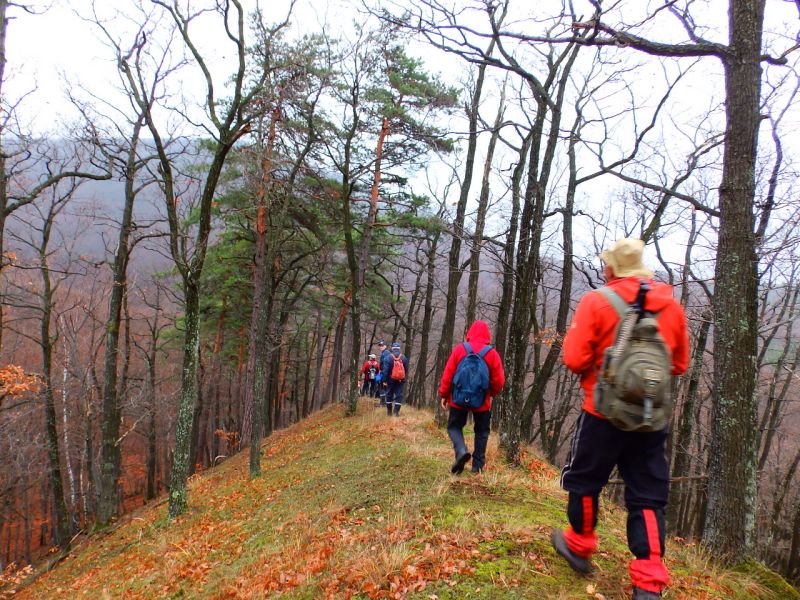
<point>477,336</point>
<point>370,363</point>
<point>594,327</point>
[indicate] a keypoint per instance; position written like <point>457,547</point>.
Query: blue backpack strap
<point>484,350</point>
<point>467,347</point>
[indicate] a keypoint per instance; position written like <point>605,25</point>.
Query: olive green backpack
<point>633,388</point>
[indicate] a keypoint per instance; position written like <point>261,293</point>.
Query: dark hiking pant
<point>455,429</point>
<point>597,447</point>
<point>394,396</point>
<point>369,388</point>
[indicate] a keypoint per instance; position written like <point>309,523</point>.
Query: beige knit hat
<point>625,258</point>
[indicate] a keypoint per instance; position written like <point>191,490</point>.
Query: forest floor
<point>366,507</point>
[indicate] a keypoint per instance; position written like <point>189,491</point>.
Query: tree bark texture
<point>454,271</point>
<point>62,524</point>
<point>109,449</point>
<point>730,517</point>
<point>178,493</point>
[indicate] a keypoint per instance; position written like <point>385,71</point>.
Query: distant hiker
<point>472,376</point>
<point>382,358</point>
<point>394,370</point>
<point>369,371</point>
<point>637,449</point>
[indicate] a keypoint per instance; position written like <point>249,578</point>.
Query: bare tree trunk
<point>73,496</point>
<point>730,519</point>
<point>216,380</point>
<point>682,463</point>
<point>453,264</point>
<point>27,525</point>
<point>92,475</point>
<point>793,564</point>
<point>152,437</point>
<point>358,269</point>
<point>178,495</point>
<point>308,396</point>
<point>61,528</point>
<point>419,387</point>
<point>316,396</point>
<point>544,373</point>
<point>199,419</point>
<point>229,121</point>
<point>780,499</point>
<point>528,264</point>
<point>480,219</point>
<point>109,449</point>
<point>777,399</point>
<point>509,273</point>
<point>331,392</point>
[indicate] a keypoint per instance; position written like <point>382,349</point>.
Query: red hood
<point>657,298</point>
<point>479,332</point>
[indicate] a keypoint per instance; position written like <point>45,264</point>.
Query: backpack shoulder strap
<point>615,300</point>
<point>484,350</point>
<point>467,347</point>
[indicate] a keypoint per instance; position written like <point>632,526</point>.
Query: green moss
<point>776,585</point>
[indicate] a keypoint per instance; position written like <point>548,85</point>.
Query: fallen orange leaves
<point>14,382</point>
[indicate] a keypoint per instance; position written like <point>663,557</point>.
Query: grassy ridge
<point>365,507</point>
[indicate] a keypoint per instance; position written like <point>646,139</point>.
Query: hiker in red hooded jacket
<point>477,337</point>
<point>369,373</point>
<point>598,446</point>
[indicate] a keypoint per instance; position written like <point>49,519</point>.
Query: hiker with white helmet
<point>369,373</point>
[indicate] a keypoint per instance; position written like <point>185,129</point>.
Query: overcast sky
<point>49,50</point>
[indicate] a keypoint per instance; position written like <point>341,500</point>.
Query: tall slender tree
<point>227,122</point>
<point>389,87</point>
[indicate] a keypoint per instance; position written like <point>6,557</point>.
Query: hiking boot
<point>640,594</point>
<point>458,466</point>
<point>578,563</point>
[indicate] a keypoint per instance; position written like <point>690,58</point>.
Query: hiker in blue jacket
<point>394,368</point>
<point>382,358</point>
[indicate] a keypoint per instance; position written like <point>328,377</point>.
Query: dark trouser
<point>596,448</point>
<point>369,388</point>
<point>394,396</point>
<point>455,429</point>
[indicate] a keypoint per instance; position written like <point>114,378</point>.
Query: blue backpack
<point>471,381</point>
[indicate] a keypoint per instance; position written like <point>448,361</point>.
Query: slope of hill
<point>366,507</point>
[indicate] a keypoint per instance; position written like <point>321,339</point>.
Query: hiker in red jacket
<point>369,373</point>
<point>454,385</point>
<point>598,446</point>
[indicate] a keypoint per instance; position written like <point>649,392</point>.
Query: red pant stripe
<point>588,515</point>
<point>651,526</point>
